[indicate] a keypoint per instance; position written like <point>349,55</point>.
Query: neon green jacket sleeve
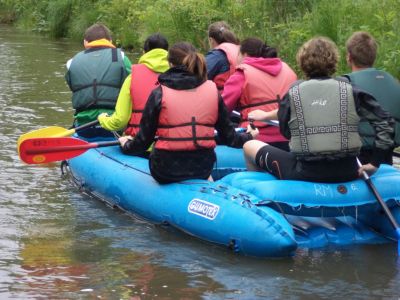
<point>123,109</point>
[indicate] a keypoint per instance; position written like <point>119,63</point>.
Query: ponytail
<point>185,54</point>
<point>221,33</point>
<point>255,47</point>
<point>269,52</point>
<point>196,64</point>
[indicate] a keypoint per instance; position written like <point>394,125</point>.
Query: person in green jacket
<point>361,50</point>
<point>95,75</point>
<point>138,86</point>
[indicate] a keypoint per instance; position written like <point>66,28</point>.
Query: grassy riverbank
<point>285,24</point>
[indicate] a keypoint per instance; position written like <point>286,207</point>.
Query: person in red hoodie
<point>259,82</point>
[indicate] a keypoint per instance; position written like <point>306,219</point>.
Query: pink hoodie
<point>234,86</point>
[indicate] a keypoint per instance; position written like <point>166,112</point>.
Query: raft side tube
<point>211,211</point>
<point>320,199</point>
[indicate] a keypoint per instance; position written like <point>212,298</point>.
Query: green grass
<point>285,24</point>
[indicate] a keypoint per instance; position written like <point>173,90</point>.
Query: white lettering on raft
<point>203,208</point>
<point>323,190</point>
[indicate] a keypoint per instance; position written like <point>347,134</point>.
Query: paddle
<point>53,131</point>
<point>45,150</point>
<point>382,204</point>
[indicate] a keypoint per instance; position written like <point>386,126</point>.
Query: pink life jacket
<point>263,91</point>
<point>231,51</point>
<point>143,82</point>
<point>187,118</point>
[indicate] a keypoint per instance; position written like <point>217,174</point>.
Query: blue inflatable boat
<point>249,212</point>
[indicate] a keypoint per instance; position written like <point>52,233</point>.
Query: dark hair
<point>96,32</point>
<point>220,32</point>
<point>255,47</point>
<point>154,41</point>
<point>318,57</point>
<point>362,48</point>
<point>185,54</point>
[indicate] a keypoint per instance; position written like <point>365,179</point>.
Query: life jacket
<point>187,118</point>
<point>386,90</point>
<point>263,91</point>
<point>95,77</point>
<point>323,120</point>
<point>231,51</point>
<point>143,82</point>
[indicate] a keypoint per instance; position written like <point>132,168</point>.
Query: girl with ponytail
<point>183,112</point>
<point>222,58</point>
<point>257,85</point>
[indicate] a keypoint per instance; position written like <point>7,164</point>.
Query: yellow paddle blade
<point>52,131</point>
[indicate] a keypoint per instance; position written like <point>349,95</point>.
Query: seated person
<point>361,50</point>
<point>221,60</point>
<point>95,75</point>
<point>138,86</point>
<point>183,113</point>
<point>320,117</point>
<point>260,80</point>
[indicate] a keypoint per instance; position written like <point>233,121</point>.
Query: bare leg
<point>250,149</point>
<point>210,178</point>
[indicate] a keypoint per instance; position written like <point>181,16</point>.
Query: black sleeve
<point>148,125</point>
<point>226,131</point>
<point>284,116</point>
<point>370,110</point>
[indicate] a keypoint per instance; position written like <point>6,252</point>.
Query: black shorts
<point>285,165</point>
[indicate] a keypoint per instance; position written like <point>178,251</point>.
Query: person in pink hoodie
<point>259,82</point>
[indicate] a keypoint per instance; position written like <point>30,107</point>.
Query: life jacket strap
<point>186,124</point>
<point>194,136</point>
<point>259,103</point>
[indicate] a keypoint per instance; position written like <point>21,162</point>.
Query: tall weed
<point>58,15</point>
<point>285,24</point>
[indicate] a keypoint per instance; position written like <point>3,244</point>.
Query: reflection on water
<point>58,243</point>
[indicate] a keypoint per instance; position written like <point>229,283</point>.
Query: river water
<point>57,243</point>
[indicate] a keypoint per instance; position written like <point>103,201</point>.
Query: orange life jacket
<point>187,118</point>
<point>263,91</point>
<point>231,51</point>
<point>143,82</point>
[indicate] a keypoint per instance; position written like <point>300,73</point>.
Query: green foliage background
<point>285,24</point>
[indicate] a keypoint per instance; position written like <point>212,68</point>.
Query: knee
<point>253,144</point>
<point>251,148</point>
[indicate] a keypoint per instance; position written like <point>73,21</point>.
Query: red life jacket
<point>187,118</point>
<point>231,51</point>
<point>263,91</point>
<point>143,81</point>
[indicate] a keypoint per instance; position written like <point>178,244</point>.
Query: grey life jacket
<point>323,120</point>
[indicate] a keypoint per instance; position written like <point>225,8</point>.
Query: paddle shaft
<point>379,199</point>
<point>87,125</point>
<point>75,129</point>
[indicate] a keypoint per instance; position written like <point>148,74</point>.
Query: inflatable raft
<point>249,212</point>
